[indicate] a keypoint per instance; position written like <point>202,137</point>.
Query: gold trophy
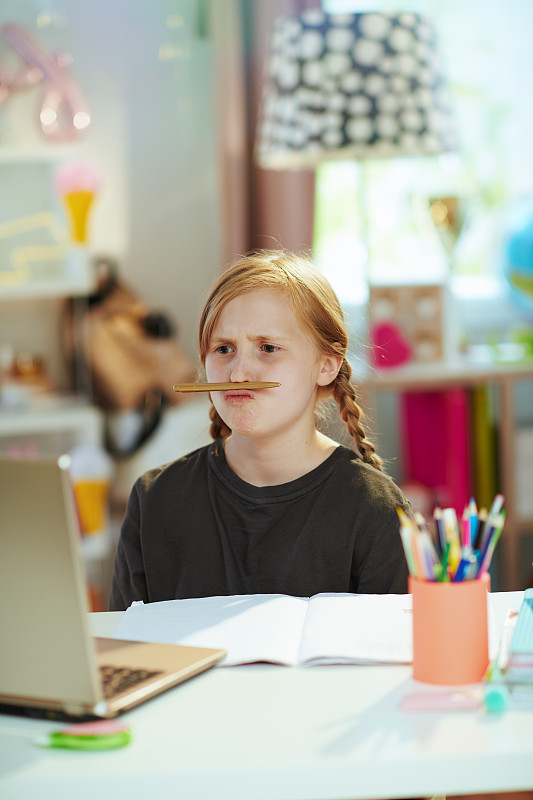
<point>448,217</point>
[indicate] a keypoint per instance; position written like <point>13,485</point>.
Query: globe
<point>518,260</point>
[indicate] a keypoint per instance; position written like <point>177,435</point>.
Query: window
<point>488,56</point>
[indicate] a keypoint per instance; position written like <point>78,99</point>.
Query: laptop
<point>50,665</point>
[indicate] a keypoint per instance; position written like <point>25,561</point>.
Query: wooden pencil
<point>223,387</point>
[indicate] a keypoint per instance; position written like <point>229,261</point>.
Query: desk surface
<point>279,733</point>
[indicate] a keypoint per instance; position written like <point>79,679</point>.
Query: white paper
<point>358,628</point>
<point>257,627</point>
<point>327,628</point>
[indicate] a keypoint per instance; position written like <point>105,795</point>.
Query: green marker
<point>444,577</point>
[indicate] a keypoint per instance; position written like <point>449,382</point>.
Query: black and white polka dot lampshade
<point>362,85</point>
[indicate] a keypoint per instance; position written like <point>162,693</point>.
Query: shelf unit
<point>75,279</point>
<point>53,415</point>
<point>51,424</point>
<point>466,373</point>
<point>49,414</point>
<point>66,286</point>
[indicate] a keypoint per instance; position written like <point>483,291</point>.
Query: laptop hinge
<point>102,709</point>
<point>73,709</point>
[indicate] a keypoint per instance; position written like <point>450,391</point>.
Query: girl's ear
<point>329,370</point>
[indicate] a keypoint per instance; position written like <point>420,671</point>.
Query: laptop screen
<point>47,651</point>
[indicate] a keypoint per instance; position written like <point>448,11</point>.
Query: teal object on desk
<point>522,640</point>
<point>510,676</point>
<point>496,697</point>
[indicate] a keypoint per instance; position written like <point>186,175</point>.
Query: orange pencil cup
<point>450,631</point>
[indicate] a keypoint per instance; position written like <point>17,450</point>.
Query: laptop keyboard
<point>117,679</point>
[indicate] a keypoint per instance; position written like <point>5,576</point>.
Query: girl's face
<point>258,338</point>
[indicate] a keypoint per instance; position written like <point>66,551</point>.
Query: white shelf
<point>42,290</point>
<point>73,279</point>
<point>35,155</point>
<point>460,371</point>
<point>52,415</point>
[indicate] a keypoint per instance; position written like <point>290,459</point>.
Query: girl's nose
<point>241,370</point>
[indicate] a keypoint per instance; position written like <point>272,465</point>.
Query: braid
<point>218,426</point>
<point>351,413</point>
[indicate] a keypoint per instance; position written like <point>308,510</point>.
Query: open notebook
<point>328,628</point>
<point>281,629</point>
<point>49,663</point>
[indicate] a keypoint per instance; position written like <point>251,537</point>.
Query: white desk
<point>277,733</point>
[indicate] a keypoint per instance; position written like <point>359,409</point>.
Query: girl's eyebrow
<point>268,337</point>
<point>256,337</point>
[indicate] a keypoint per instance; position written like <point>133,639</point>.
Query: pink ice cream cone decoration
<point>77,184</point>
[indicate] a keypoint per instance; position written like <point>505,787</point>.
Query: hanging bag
<point>125,357</point>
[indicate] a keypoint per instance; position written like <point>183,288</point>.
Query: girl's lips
<point>238,394</point>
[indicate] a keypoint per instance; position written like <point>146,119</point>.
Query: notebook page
<point>260,627</point>
<point>348,628</point>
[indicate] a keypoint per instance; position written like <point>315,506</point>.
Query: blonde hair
<point>317,308</point>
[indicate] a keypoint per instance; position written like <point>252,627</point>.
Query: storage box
<point>411,322</point>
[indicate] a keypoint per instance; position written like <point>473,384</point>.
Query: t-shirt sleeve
<point>379,564</point>
<point>129,580</point>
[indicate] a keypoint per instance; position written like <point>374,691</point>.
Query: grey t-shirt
<point>193,528</point>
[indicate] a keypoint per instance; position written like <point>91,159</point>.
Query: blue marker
<point>474,520</point>
<point>463,572</point>
<point>490,543</point>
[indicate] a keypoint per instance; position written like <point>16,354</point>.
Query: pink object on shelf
<point>435,443</point>
<point>390,348</point>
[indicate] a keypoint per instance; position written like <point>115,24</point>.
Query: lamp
<point>361,85</point>
<point>358,86</point>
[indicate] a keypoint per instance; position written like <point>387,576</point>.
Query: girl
<point>272,505</point>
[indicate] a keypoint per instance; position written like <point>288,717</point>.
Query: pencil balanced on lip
<point>223,387</point>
